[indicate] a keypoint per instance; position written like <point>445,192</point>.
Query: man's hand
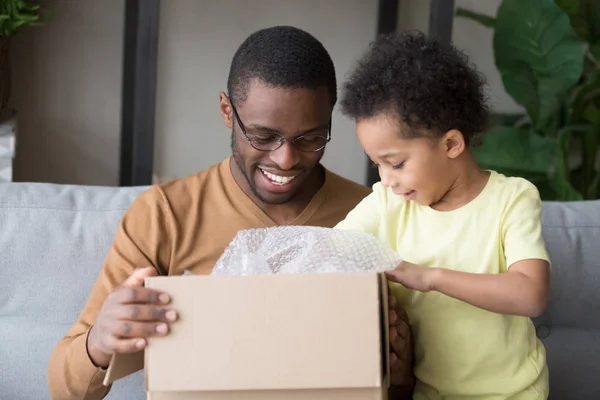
<point>130,314</point>
<point>402,378</point>
<point>412,276</point>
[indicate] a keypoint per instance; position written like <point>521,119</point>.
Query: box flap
<point>312,331</point>
<point>385,318</point>
<point>122,365</point>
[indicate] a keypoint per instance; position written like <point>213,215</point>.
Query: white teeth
<point>278,180</point>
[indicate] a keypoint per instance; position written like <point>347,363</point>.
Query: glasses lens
<point>265,142</point>
<point>311,142</point>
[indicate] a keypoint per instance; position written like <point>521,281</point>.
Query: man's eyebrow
<point>390,154</point>
<point>263,128</point>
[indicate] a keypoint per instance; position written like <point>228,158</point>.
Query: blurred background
<point>91,99</point>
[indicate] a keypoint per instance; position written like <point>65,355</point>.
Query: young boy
<point>476,264</point>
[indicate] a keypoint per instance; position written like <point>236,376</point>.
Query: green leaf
<point>595,50</point>
<point>506,119</point>
<point>593,191</point>
<point>585,93</point>
<point>584,16</point>
<point>538,54</point>
<point>483,19</point>
<point>561,174</point>
<point>522,150</point>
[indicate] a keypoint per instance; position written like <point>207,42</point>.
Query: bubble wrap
<point>304,249</point>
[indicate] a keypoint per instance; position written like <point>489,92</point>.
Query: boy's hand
<point>401,349</point>
<point>412,276</point>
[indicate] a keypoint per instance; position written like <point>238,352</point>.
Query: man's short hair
<point>281,56</point>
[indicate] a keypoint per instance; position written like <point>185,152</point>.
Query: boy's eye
<point>398,166</point>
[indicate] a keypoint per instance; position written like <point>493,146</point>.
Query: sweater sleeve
<point>144,238</point>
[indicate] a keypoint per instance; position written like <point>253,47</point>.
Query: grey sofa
<point>53,240</point>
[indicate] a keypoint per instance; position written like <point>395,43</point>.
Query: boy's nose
<point>387,179</point>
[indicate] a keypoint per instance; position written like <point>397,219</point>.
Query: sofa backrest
<point>54,238</point>
<point>53,241</point>
<point>570,327</point>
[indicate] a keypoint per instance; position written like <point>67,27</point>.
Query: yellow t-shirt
<point>462,351</point>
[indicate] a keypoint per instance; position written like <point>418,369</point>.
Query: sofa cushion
<point>53,242</point>
<point>570,327</point>
<point>54,238</point>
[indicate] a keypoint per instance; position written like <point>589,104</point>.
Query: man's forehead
<point>261,93</point>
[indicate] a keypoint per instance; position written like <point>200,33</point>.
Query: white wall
<point>474,39</point>
<point>67,79</point>
<point>67,91</point>
<point>197,42</point>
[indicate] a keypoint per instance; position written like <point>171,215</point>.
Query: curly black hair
<point>429,86</point>
<point>281,56</point>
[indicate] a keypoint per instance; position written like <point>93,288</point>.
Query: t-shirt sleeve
<point>522,228</point>
<point>366,216</point>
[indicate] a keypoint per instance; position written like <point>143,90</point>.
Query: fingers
<point>135,329</point>
<point>401,312</point>
<point>146,313</point>
<point>394,275</point>
<point>124,345</point>
<point>140,295</point>
<point>397,342</point>
<point>138,276</point>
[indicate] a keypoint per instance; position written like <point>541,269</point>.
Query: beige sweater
<point>179,225</point>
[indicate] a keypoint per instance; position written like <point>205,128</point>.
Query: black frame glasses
<point>275,141</point>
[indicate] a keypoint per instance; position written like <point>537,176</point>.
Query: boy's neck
<point>469,181</point>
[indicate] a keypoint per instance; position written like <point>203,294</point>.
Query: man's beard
<point>242,167</point>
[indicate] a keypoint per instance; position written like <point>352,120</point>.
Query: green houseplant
<point>14,15</point>
<point>548,55</point>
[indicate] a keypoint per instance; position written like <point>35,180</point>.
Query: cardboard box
<point>296,337</point>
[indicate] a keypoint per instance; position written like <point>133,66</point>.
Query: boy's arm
<point>523,290</point>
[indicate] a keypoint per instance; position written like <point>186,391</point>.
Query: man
<point>281,93</point>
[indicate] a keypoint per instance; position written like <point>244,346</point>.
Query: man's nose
<point>286,157</point>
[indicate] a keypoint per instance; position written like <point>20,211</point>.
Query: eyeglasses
<point>272,141</point>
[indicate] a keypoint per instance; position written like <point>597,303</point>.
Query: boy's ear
<point>454,143</point>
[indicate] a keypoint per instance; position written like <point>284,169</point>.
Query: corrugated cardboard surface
<point>270,337</point>
<point>314,394</point>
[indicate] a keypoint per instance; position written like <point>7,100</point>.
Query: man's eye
<point>264,138</point>
<point>398,166</point>
<point>313,138</point>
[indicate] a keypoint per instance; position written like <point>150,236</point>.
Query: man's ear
<point>454,143</point>
<point>226,110</point>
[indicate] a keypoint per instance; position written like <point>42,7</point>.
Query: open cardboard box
<point>271,337</point>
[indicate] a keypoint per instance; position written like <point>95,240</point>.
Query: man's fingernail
<point>171,315</point>
<point>393,316</point>
<point>161,328</point>
<point>392,301</point>
<point>393,333</point>
<point>163,298</point>
<point>393,357</point>
<point>140,343</point>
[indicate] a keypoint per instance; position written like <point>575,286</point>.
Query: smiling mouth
<point>278,179</point>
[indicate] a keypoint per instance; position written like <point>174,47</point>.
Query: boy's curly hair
<point>429,86</point>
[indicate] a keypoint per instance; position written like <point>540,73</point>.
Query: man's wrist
<point>97,357</point>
